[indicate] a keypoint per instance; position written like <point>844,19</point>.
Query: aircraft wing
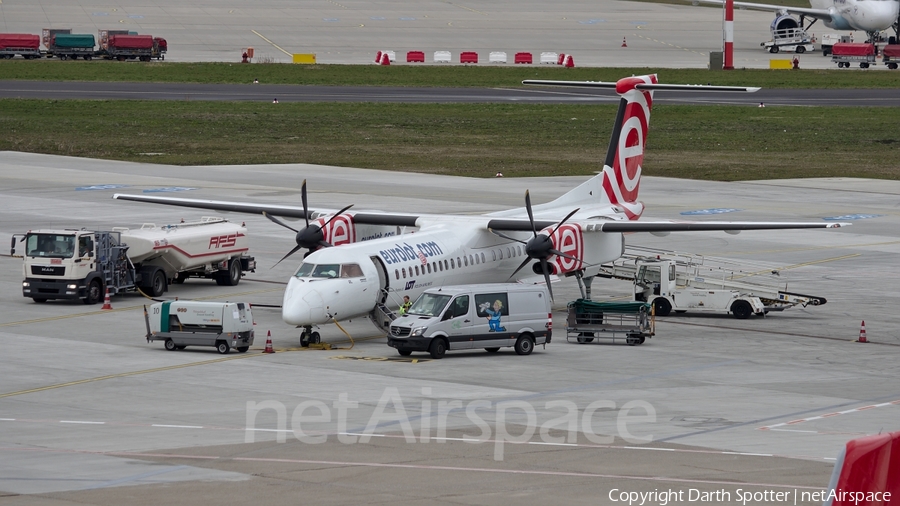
<point>522,225</point>
<point>822,14</point>
<point>370,218</point>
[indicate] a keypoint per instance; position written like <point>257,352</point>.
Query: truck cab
<point>61,264</point>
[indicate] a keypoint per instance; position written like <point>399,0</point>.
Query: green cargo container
<point>74,40</point>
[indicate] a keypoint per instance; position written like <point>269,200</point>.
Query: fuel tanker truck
<point>82,264</point>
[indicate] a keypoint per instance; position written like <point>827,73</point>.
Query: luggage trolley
<point>588,320</point>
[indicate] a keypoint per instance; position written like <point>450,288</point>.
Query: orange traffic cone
<point>862,333</point>
<point>269,348</point>
<point>569,61</point>
<point>623,42</point>
<point>106,303</point>
<point>385,59</point>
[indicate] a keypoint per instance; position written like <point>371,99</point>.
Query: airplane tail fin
<point>620,181</point>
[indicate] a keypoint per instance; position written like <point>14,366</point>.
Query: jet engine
<point>785,27</point>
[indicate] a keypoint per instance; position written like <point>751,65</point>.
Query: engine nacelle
<point>785,27</point>
<point>339,231</point>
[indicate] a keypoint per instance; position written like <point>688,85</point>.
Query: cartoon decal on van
<point>492,306</point>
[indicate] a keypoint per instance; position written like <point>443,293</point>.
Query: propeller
<point>310,237</point>
<point>540,247</point>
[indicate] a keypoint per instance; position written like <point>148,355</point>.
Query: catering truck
<point>82,264</point>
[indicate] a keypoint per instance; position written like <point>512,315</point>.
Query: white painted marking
<point>792,430</point>
<point>749,454</point>
<point>270,430</point>
<point>81,421</point>
<point>551,444</point>
<point>649,448</point>
<point>360,434</point>
<point>7,419</point>
<point>177,426</point>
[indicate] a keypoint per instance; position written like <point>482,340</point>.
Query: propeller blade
<point>325,244</point>
<point>530,213</point>
<point>564,220</point>
<point>297,247</point>
<point>546,270</point>
<point>523,264</point>
<point>335,215</point>
<point>305,206</point>
<point>564,255</point>
<point>508,237</point>
<point>277,221</point>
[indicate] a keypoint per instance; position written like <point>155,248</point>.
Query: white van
<point>489,316</point>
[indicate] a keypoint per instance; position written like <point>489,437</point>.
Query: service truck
<point>845,53</point>
<point>83,264</point>
<point>24,44</point>
<point>891,55</point>
<point>830,39</point>
<point>680,282</point>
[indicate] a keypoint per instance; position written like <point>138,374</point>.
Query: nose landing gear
<point>308,337</point>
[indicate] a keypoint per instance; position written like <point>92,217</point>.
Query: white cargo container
<point>224,325</point>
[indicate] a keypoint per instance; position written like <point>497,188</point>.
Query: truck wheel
<point>863,65</point>
<point>773,49</point>
<point>158,283</point>
<point>438,348</point>
<point>800,50</point>
<point>222,347</point>
<point>242,349</point>
<point>404,353</point>
<point>170,345</point>
<point>524,345</point>
<point>662,307</point>
<point>584,340</point>
<point>179,278</point>
<point>234,272</point>
<point>741,309</point>
<point>492,350</point>
<point>93,293</point>
<point>87,57</point>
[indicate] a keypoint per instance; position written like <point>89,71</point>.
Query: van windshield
<point>429,304</point>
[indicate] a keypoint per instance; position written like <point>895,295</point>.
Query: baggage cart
<point>588,320</point>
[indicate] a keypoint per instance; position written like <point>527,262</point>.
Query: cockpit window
<point>50,245</point>
<point>429,304</point>
<point>327,271</point>
<point>351,271</point>
<point>305,270</point>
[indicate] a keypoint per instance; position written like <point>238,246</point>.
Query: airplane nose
<point>302,305</point>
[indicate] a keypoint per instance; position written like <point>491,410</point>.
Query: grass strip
<point>422,75</point>
<point>711,142</point>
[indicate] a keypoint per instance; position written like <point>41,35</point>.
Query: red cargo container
<point>844,53</point>
<point>129,47</point>
<point>891,54</point>
<point>24,44</point>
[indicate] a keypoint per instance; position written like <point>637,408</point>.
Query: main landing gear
<point>308,337</point>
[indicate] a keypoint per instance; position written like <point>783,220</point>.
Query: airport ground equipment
<point>845,53</point>
<point>223,325</point>
<point>130,47</point>
<point>81,264</point>
<point>891,55</point>
<point>680,282</point>
<point>830,39</point>
<point>72,45</point>
<point>587,320</point>
<point>26,45</point>
<point>789,39</point>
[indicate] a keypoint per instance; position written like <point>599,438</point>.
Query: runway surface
<point>92,414</point>
<point>536,95</point>
<point>593,32</point>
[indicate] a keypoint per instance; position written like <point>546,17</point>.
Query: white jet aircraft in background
<point>571,235</point>
<point>870,16</point>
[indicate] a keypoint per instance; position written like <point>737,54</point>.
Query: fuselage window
<point>404,273</point>
<point>452,264</point>
<point>397,273</point>
<point>482,257</point>
<point>494,254</point>
<point>446,265</point>
<point>429,268</point>
<point>466,261</point>
<point>305,270</point>
<point>509,252</point>
<point>329,271</point>
<point>353,271</point>
<point>477,259</point>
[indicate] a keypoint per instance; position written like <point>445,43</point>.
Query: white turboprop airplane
<point>571,235</point>
<point>870,16</point>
